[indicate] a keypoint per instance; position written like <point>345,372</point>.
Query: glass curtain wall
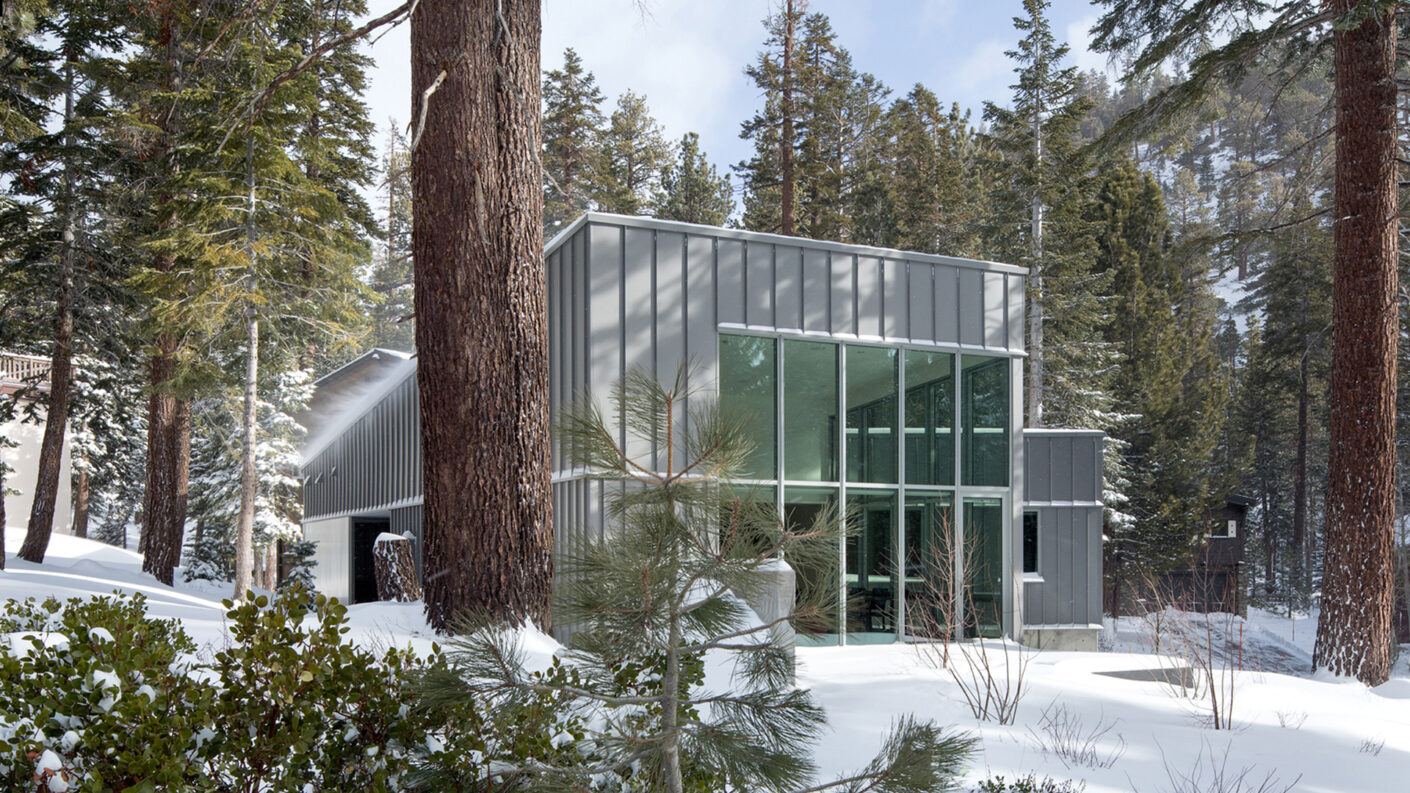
<point>910,420</point>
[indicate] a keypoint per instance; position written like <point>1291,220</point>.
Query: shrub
<point>1029,784</point>
<point>97,697</point>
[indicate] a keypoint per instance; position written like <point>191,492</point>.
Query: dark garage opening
<point>365,531</point>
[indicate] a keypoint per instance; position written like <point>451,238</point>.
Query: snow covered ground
<point>1323,734</point>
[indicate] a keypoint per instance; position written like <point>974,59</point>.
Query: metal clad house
<point>886,382</point>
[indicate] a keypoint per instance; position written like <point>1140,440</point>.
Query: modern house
<point>886,382</point>
<point>21,378</point>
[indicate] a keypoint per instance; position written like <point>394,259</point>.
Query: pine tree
<point>631,156</point>
<point>572,122</point>
<point>393,317</point>
<point>938,203</point>
<point>636,671</point>
<point>480,310</point>
<point>1167,386</point>
<point>1038,137</point>
<point>692,190</point>
<point>1354,631</point>
<point>55,232</point>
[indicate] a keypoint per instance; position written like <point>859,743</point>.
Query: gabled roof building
<point>884,382</point>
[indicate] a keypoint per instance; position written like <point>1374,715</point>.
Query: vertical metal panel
<point>1093,547</point>
<point>843,298</point>
<point>332,574</point>
<point>870,296</point>
<point>730,281</point>
<point>1061,469</point>
<point>1076,583</point>
<point>1049,563</point>
<point>921,294</point>
<point>788,291</point>
<point>1016,309</point>
<point>1084,467</point>
<point>995,311</point>
<point>604,313</point>
<point>700,309</point>
<point>816,282</point>
<point>1038,483</point>
<point>759,284</point>
<point>895,304</point>
<point>670,312</point>
<point>947,304</point>
<point>971,305</point>
<point>1064,579</point>
<point>638,319</point>
<point>553,270</point>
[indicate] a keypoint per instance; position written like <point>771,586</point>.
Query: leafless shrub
<point>1062,734</point>
<point>989,674</point>
<point>1204,661</point>
<point>1293,720</point>
<point>1372,746</point>
<point>1211,774</point>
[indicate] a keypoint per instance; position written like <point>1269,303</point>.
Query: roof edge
<point>656,224</point>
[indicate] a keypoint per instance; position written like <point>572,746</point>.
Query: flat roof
<point>655,224</point>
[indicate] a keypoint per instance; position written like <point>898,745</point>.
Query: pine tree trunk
<point>785,157</point>
<point>477,243</point>
<point>51,448</point>
<point>1354,631</point>
<point>80,506</point>
<point>245,522</point>
<point>1299,538</point>
<point>168,418</point>
<point>2,510</point>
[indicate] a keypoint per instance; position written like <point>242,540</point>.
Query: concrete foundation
<point>1082,638</point>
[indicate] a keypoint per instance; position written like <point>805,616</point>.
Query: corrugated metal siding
<point>374,463</point>
<point>1063,484</point>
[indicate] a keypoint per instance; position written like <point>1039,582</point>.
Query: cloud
<point>1079,37</point>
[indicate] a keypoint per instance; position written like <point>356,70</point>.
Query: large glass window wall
<point>878,435</point>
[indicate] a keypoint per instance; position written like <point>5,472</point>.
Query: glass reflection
<point>810,411</point>
<point>930,566</point>
<point>984,581</point>
<point>748,376</point>
<point>871,414</point>
<point>870,567</point>
<point>930,418</point>
<point>984,403</point>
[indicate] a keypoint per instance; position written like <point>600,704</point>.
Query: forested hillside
<point>191,250</point>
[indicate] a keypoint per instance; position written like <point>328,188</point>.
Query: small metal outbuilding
<point>887,381</point>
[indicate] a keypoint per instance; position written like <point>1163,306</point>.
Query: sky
<point>688,56</point>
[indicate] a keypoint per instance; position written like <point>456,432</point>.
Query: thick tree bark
<point>396,569</point>
<point>80,505</point>
<point>785,157</point>
<point>2,510</point>
<point>1354,631</point>
<point>168,417</point>
<point>481,322</point>
<point>245,522</point>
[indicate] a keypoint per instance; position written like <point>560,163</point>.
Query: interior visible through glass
<point>810,411</point>
<point>871,567</point>
<point>930,562</point>
<point>816,577</point>
<point>748,377</point>
<point>871,414</point>
<point>930,418</point>
<point>984,581</point>
<point>984,401</point>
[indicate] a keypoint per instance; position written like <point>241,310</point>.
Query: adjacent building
<point>884,382</point>
<point>22,377</point>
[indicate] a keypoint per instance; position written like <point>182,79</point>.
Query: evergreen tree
<point>393,317</point>
<point>631,156</point>
<point>1038,138</point>
<point>572,122</point>
<point>1354,632</point>
<point>691,189</point>
<point>1167,386</point>
<point>653,599</point>
<point>939,202</point>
